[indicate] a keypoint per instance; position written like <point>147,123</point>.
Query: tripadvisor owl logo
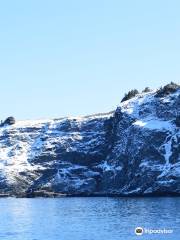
<point>139,231</point>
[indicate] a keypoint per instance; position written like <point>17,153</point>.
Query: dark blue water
<point>87,218</point>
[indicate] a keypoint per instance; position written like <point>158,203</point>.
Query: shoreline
<point>85,195</point>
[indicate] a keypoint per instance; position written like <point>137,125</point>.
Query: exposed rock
<point>9,121</point>
<point>132,151</point>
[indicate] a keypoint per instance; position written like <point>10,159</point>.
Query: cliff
<point>134,150</point>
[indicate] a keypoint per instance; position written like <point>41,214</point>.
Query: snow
<point>20,145</point>
<point>133,105</point>
<point>165,182</point>
<point>31,123</point>
<point>167,146</point>
<point>154,124</point>
<point>151,165</point>
<point>13,159</point>
<point>159,124</point>
<point>140,123</point>
<point>137,107</point>
<point>93,116</point>
<point>108,167</point>
<point>175,169</point>
<point>134,191</point>
<point>105,166</point>
<point>148,190</point>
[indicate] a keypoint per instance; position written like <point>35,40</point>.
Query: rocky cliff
<point>134,150</point>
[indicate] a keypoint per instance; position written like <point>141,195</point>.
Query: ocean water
<point>88,218</point>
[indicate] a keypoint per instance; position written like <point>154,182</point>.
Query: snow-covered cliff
<point>134,150</point>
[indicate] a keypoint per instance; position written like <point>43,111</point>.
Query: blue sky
<point>60,58</point>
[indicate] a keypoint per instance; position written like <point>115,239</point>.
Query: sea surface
<point>88,218</point>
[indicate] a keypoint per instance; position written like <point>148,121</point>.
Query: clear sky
<point>62,57</point>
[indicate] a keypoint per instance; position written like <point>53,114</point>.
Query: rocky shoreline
<point>47,194</point>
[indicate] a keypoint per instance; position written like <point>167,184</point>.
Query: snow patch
<point>154,124</point>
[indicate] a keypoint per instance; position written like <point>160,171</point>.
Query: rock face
<point>134,150</point>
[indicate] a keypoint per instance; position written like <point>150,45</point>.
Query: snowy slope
<point>132,151</point>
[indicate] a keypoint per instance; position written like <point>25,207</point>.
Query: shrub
<point>9,121</point>
<point>130,95</point>
<point>147,89</point>
<point>167,89</point>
